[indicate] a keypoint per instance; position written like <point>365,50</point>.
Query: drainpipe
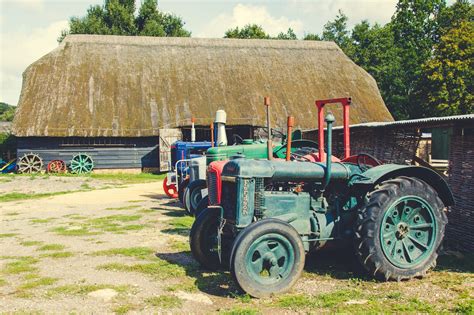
<point>266,102</point>
<point>327,175</point>
<point>289,125</point>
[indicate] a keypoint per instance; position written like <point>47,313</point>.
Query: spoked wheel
<point>193,195</point>
<point>203,239</point>
<point>30,163</point>
<point>81,163</point>
<point>56,166</point>
<point>170,189</point>
<point>400,229</point>
<point>267,258</point>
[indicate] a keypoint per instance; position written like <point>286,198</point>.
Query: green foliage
<point>336,31</point>
<point>249,31</point>
<point>289,35</point>
<point>6,112</point>
<point>117,17</point>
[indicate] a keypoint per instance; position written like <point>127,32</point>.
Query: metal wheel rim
<point>82,163</point>
<point>56,166</point>
<point>30,163</point>
<point>408,232</point>
<point>270,259</point>
<point>195,197</point>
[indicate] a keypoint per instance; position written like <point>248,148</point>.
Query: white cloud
<point>28,4</point>
<point>21,48</point>
<point>248,14</point>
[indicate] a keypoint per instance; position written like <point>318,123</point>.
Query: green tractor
<point>273,212</point>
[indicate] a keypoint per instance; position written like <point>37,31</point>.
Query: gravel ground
<point>125,250</point>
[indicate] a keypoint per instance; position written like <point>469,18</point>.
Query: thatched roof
<point>132,86</point>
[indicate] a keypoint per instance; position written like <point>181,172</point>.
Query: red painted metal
<point>289,125</point>
<point>56,166</point>
<point>346,102</point>
<point>170,190</point>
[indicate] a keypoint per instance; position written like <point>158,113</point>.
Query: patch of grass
<point>296,301</point>
<point>180,246</point>
<point>83,289</point>
<point>118,217</point>
<point>57,255</point>
<point>164,301</point>
<point>21,265</point>
<point>338,297</point>
<point>24,196</point>
<point>129,178</point>
<point>124,208</point>
<point>327,300</point>
<point>160,269</point>
<point>180,225</point>
<point>2,282</point>
<point>240,311</point>
<point>138,252</point>
<point>73,231</point>
<point>37,283</point>
<point>12,213</point>
<point>146,211</point>
<point>465,307</point>
<point>31,276</point>
<point>124,309</point>
<point>42,220</point>
<point>184,285</point>
<point>31,243</point>
<point>5,235</point>
<point>86,186</point>
<point>51,247</point>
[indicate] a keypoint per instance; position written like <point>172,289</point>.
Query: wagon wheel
<point>30,163</point>
<point>56,166</point>
<point>81,163</point>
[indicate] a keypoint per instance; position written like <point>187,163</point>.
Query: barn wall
<point>460,230</point>
<point>107,153</point>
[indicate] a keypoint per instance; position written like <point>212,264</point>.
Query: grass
<point>124,207</point>
<point>51,247</point>
<point>41,221</point>
<point>20,265</point>
<point>2,282</point>
<point>57,255</point>
<point>164,301</point>
<point>68,231</point>
<point>137,252</point>
<point>186,285</point>
<point>37,283</point>
<point>240,311</point>
<point>160,269</point>
<point>180,225</point>
<point>129,178</point>
<point>12,213</point>
<point>180,246</point>
<point>83,289</point>
<point>5,235</point>
<point>125,308</point>
<point>24,196</point>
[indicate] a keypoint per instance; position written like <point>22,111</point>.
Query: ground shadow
<point>456,262</point>
<point>217,283</point>
<point>156,196</point>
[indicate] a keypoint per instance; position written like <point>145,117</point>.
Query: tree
<point>289,35</point>
<point>117,17</point>
<point>448,77</point>
<point>336,31</point>
<point>252,31</point>
<point>311,36</point>
<point>6,112</point>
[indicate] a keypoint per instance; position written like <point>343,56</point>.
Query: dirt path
<point>126,250</point>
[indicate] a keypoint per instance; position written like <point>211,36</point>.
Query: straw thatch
<point>132,86</point>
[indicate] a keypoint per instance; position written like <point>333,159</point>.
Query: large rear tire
<point>202,205</point>
<point>194,194</point>
<point>400,229</point>
<point>267,258</point>
<point>203,239</point>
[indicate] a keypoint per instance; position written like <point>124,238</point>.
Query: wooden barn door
<point>167,138</point>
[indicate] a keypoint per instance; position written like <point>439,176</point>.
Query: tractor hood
<point>255,150</point>
<point>282,170</point>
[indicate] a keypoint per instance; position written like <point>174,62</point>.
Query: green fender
<point>378,174</point>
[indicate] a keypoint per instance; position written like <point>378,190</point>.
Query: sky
<point>29,28</point>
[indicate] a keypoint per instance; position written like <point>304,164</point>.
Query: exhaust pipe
<point>266,102</point>
<point>193,130</point>
<point>327,175</point>
<point>289,125</point>
<point>212,134</point>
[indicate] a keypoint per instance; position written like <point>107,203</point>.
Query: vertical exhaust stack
<point>266,102</point>
<point>193,130</point>
<point>221,119</point>
<point>289,125</point>
<point>212,134</point>
<point>329,121</point>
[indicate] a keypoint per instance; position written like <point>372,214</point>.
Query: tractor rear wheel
<point>400,229</point>
<point>267,258</point>
<point>181,188</point>
<point>202,205</point>
<point>203,239</point>
<point>193,195</point>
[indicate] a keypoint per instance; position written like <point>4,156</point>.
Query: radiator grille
<point>259,200</point>
<point>229,190</point>
<point>212,182</point>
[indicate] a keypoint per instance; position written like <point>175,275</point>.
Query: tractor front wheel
<point>400,229</point>
<point>181,188</point>
<point>202,205</point>
<point>193,195</point>
<point>267,258</point>
<point>203,239</point>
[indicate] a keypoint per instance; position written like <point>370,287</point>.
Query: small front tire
<point>203,239</point>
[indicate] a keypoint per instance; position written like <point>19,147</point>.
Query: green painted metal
<point>408,232</point>
<point>81,163</point>
<point>269,259</point>
<point>251,150</point>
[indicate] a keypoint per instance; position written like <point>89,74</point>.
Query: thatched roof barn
<point>119,86</point>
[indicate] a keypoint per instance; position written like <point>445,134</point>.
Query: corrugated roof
<point>124,86</point>
<point>422,122</point>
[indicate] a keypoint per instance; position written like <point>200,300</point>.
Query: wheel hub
<point>402,230</point>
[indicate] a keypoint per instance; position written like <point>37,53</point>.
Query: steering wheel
<point>362,161</point>
<point>237,139</point>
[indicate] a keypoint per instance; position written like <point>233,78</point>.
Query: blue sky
<point>29,28</point>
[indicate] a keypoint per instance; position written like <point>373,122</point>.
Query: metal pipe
<point>347,145</point>
<point>289,125</point>
<point>193,131</point>
<point>266,102</point>
<point>320,106</point>
<point>212,134</point>
<point>327,174</point>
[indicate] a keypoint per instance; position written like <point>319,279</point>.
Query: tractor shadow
<point>156,196</point>
<point>454,261</point>
<point>216,283</point>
